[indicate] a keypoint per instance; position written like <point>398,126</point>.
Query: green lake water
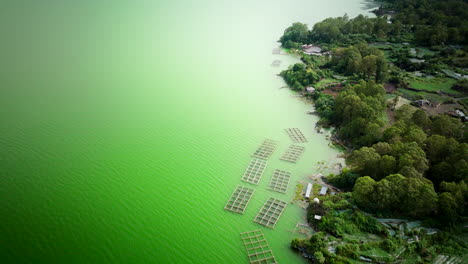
<point>125,127</point>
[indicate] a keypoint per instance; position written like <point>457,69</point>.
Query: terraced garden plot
<point>270,213</point>
<point>254,171</point>
<point>279,181</point>
<point>257,248</point>
<point>239,199</point>
<point>266,149</point>
<point>296,135</point>
<point>293,153</point>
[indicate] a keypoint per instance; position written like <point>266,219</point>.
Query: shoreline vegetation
<point>395,88</point>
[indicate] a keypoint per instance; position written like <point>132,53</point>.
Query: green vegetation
<point>325,82</point>
<point>402,161</point>
<point>298,195</point>
<point>434,85</point>
<point>299,76</point>
<point>365,62</point>
<point>346,234</point>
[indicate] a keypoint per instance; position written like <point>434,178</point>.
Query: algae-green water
<point>126,125</point>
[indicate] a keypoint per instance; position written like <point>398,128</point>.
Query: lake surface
<point>125,127</point>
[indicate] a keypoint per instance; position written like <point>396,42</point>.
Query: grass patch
<point>412,95</point>
<point>298,195</point>
<point>434,85</point>
<point>420,52</point>
<point>325,82</point>
<point>316,189</point>
<point>384,117</point>
<point>377,254</point>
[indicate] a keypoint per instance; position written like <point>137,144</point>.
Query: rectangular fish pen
<point>257,248</point>
<point>296,135</point>
<point>279,181</point>
<point>270,213</point>
<point>254,171</point>
<point>293,153</point>
<point>265,150</point>
<point>239,199</point>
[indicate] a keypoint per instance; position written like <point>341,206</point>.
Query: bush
<point>461,85</point>
<point>348,250</point>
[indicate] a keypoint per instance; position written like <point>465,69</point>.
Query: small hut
<point>324,190</point>
<point>309,190</point>
<point>312,50</point>
<point>310,89</point>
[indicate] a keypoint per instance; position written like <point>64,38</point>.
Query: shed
<point>309,190</point>
<point>462,115</point>
<point>323,191</point>
<point>422,102</point>
<point>312,50</point>
<point>317,217</point>
<point>310,89</point>
<point>416,61</point>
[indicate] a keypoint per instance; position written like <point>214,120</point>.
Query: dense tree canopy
<point>366,62</point>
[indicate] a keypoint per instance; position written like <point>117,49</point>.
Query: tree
<point>387,166</point>
<point>296,34</point>
<point>324,105</point>
<point>362,192</point>
<point>385,195</point>
<point>421,119</point>
<point>419,197</point>
<point>436,148</point>
<point>383,148</point>
<point>415,134</point>
<point>319,258</point>
<point>447,126</point>
<point>410,154</point>
<point>369,67</point>
<point>365,161</point>
<point>448,208</point>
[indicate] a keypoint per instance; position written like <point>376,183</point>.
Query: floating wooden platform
<point>239,199</point>
<point>276,51</point>
<point>254,171</point>
<point>293,153</point>
<point>270,212</point>
<point>296,135</point>
<point>276,63</point>
<point>257,248</point>
<point>279,181</point>
<point>266,149</point>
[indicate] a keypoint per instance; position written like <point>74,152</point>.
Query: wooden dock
<point>270,213</point>
<point>265,150</point>
<point>257,248</point>
<point>239,199</point>
<point>296,135</point>
<point>254,171</point>
<point>293,153</point>
<point>279,181</point>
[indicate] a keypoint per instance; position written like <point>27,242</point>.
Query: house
<point>312,50</point>
<point>462,115</point>
<point>422,102</point>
